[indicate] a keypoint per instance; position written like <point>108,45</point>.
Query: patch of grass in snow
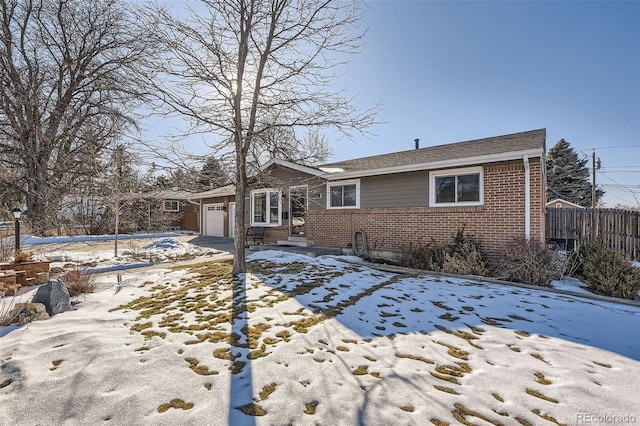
<point>252,409</point>
<point>202,370</point>
<point>499,322</point>
<point>522,333</point>
<point>460,413</point>
<point>547,417</point>
<point>464,335</point>
<point>266,391</point>
<point>140,327</point>
<point>408,408</point>
<point>142,349</point>
<point>222,353</point>
<point>310,407</point>
<point>177,404</point>
<point>441,305</point>
<point>449,317</point>
<point>362,370</point>
<point>414,357</point>
<point>148,335</point>
<point>519,318</point>
<point>601,364</point>
<point>56,363</point>
<point>5,383</point>
<point>285,335</point>
<point>455,352</point>
<point>446,389</point>
<point>540,358</point>
<point>497,397</point>
<point>540,395</point>
<point>541,379</point>
<point>438,422</point>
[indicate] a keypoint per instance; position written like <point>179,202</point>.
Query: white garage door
<point>214,220</point>
<point>232,219</point>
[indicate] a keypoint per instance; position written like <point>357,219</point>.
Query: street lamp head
<point>16,212</point>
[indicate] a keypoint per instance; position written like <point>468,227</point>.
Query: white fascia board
<point>444,164</point>
<point>294,166</point>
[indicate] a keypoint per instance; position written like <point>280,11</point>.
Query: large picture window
<point>343,195</point>
<point>457,187</point>
<point>265,207</point>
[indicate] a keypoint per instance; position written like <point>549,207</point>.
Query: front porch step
<point>295,241</point>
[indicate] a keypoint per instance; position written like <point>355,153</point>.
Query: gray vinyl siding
<point>397,190</point>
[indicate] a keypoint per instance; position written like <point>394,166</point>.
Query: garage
<point>214,220</point>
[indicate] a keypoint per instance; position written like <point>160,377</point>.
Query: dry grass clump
<point>79,282</point>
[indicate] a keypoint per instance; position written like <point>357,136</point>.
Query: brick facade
<point>500,219</point>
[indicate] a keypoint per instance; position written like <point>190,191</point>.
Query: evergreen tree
<point>568,176</point>
<point>212,175</point>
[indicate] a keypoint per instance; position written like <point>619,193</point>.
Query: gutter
<point>527,197</point>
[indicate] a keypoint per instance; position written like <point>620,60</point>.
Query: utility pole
<point>595,165</point>
<point>593,179</point>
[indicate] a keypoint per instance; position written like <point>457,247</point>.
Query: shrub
<point>606,271</point>
<point>79,282</point>
<point>423,256</point>
<point>465,256</point>
<point>530,262</point>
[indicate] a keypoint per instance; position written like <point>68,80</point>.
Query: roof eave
<point>304,169</point>
<point>443,164</point>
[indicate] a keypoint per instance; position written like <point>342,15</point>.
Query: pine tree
<point>568,176</point>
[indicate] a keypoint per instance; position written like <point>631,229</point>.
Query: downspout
<point>527,198</point>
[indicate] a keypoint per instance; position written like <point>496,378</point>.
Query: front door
<point>297,208</point>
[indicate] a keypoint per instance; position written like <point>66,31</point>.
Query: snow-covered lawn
<point>308,341</point>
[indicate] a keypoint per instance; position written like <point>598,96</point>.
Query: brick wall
<point>500,219</point>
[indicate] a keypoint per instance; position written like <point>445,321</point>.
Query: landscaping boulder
<point>54,296</point>
<point>24,313</point>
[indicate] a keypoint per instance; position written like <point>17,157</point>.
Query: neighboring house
<point>559,203</point>
<point>494,188</point>
<point>171,209</point>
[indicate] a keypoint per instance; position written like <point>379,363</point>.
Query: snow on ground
<point>320,341</point>
<point>134,250</point>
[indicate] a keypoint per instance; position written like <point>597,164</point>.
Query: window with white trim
<point>171,206</point>
<point>343,194</point>
<point>265,207</point>
<point>458,187</point>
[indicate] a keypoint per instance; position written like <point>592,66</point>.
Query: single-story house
<point>494,188</point>
<point>170,209</point>
<point>559,203</point>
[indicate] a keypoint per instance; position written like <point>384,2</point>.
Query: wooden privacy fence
<point>619,229</point>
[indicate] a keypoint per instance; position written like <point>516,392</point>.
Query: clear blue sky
<point>451,71</point>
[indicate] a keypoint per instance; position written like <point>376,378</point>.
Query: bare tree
<point>239,69</point>
<point>68,71</point>
<point>283,143</point>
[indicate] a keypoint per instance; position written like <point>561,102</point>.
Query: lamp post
<point>16,215</point>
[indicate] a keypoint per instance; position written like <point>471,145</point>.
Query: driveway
<point>218,243</point>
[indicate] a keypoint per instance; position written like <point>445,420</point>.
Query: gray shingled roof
<point>524,141</point>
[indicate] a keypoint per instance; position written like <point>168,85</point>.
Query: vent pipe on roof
<point>417,143</point>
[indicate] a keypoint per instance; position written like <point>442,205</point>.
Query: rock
<point>54,296</point>
<point>24,313</point>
